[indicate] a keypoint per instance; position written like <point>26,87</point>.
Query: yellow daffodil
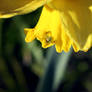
<point>63,23</point>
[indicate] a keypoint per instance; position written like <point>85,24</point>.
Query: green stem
<point>54,72</point>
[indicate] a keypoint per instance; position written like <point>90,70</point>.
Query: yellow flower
<point>9,8</point>
<point>64,23</point>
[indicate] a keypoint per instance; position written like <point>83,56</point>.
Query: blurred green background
<point>27,67</point>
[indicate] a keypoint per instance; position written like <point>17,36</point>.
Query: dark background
<point>27,67</point>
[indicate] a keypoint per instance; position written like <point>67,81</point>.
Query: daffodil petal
<point>9,8</point>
